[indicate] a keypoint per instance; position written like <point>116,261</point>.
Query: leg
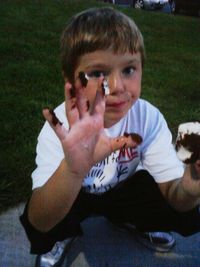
<point>69,227</point>
<point>139,201</point>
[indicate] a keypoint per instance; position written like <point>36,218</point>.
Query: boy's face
<point>123,73</point>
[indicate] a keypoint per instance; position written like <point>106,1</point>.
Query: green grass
<point>31,78</point>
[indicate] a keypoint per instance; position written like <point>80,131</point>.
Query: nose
<point>115,83</point>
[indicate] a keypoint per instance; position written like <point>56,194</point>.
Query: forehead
<point>107,58</point>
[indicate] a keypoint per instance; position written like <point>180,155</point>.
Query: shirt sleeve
<point>159,156</point>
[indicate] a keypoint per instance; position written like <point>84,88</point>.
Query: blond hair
<point>98,29</point>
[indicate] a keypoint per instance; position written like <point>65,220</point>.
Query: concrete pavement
<point>101,246</point>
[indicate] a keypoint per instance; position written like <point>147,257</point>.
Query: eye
<point>128,71</point>
<point>96,74</point>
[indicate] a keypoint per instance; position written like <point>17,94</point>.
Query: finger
<point>82,77</point>
<point>198,163</point>
<point>195,171</point>
<point>99,102</point>
<point>131,140</point>
<point>197,166</point>
<point>82,102</point>
<point>72,112</point>
<point>56,125</point>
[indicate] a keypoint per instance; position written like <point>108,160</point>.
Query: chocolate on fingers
<point>82,103</point>
<point>70,95</point>
<point>70,104</point>
<point>125,141</point>
<point>84,78</point>
<point>55,123</point>
<point>50,116</point>
<point>54,120</point>
<point>75,97</point>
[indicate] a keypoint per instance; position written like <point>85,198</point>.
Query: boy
<point>107,153</point>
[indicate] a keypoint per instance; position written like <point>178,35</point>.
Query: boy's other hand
<point>188,150</point>
<point>191,180</point>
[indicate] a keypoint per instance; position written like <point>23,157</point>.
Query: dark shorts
<point>138,200</point>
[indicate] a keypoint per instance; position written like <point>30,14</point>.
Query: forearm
<point>50,203</point>
<point>180,199</point>
<point>179,195</point>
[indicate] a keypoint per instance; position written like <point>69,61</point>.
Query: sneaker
<point>56,256</point>
<point>157,241</point>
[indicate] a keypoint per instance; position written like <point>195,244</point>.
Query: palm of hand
<point>86,143</point>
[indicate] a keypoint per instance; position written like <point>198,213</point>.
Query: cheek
<point>134,88</point>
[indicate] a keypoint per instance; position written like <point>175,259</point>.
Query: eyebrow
<point>96,66</point>
<point>104,65</point>
<point>135,60</point>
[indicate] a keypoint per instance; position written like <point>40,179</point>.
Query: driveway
<point>101,246</point>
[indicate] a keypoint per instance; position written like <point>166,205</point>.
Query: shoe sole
<point>62,258</point>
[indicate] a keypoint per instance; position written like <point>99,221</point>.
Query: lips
<point>118,101</point>
<point>116,104</point>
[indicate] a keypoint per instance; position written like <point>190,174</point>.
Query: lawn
<point>31,78</point>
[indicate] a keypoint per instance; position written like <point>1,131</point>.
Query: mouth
<point>116,104</point>
<point>119,101</point>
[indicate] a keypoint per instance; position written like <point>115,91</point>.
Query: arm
<point>84,145</point>
<point>184,193</point>
<point>50,203</point>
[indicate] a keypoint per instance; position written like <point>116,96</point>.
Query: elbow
<point>37,222</point>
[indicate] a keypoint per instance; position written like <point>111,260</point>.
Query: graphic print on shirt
<point>127,155</point>
<point>112,170</point>
<point>121,171</point>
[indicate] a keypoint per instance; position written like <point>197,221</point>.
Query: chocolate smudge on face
<point>54,119</point>
<point>82,78</point>
<point>135,137</point>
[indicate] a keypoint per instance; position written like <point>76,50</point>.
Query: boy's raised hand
<point>85,143</point>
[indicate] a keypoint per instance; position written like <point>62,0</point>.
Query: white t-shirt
<point>156,154</point>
